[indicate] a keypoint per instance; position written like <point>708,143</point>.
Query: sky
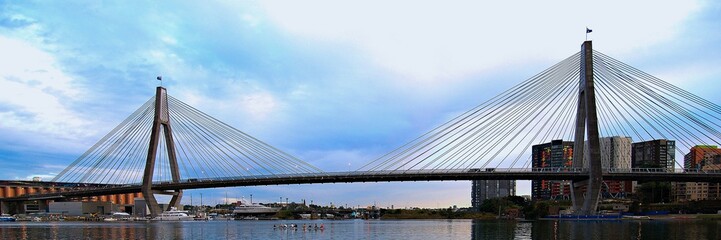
<point>334,83</point>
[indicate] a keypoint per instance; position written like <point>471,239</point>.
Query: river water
<point>370,229</point>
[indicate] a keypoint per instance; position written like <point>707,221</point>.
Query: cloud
<point>15,21</point>
<point>245,106</point>
<point>338,160</point>
<point>259,105</point>
<point>691,75</point>
<point>36,93</point>
<point>430,43</point>
<point>251,20</point>
<point>43,177</point>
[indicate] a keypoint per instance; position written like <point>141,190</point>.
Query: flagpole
<point>588,30</point>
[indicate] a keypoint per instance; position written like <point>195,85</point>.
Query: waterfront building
<point>554,154</point>
<point>654,155</point>
<point>657,155</point>
<point>700,158</point>
<point>615,153</point>
<point>695,156</point>
<point>487,189</point>
<point>615,156</point>
<point>77,208</point>
<point>14,188</point>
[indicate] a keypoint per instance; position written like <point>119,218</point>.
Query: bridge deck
<point>350,177</point>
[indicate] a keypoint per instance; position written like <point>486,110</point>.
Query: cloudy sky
<point>334,83</point>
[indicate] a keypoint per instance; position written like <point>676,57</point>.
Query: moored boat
<point>7,218</point>
<point>253,208</point>
<point>173,215</point>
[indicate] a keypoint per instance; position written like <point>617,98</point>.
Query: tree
<point>517,200</point>
<point>493,205</point>
<point>654,192</point>
<point>536,210</point>
<point>489,205</point>
<point>284,214</point>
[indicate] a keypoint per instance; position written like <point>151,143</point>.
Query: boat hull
<point>173,218</point>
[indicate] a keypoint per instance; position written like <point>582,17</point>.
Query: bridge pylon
<point>161,121</point>
<point>587,127</point>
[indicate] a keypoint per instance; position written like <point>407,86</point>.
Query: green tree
<point>654,192</point>
<point>536,210</point>
<point>493,205</point>
<point>517,200</point>
<point>284,214</point>
<point>489,205</point>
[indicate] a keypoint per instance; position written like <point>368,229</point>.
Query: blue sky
<point>336,84</point>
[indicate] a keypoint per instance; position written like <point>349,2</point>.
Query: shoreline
<point>483,217</point>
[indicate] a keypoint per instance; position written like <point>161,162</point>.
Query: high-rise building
<point>654,155</point>
<point>695,156</point>
<point>615,153</point>
<point>555,154</point>
<point>615,156</point>
<point>487,189</point>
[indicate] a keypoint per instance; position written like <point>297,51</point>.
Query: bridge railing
<point>474,170</point>
<point>660,170</point>
<point>638,170</point>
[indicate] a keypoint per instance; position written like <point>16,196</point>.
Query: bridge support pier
<point>587,126</point>
<point>161,120</point>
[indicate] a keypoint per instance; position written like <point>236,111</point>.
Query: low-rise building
<point>82,208</point>
<point>710,161</point>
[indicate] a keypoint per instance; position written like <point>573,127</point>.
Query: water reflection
<point>663,229</point>
<point>656,229</point>
<point>497,229</point>
<point>360,229</point>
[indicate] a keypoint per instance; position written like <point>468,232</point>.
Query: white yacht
<point>173,215</point>
<point>120,214</point>
<point>252,208</point>
<point>115,216</point>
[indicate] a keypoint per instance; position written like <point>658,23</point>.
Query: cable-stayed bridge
<point>167,146</point>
